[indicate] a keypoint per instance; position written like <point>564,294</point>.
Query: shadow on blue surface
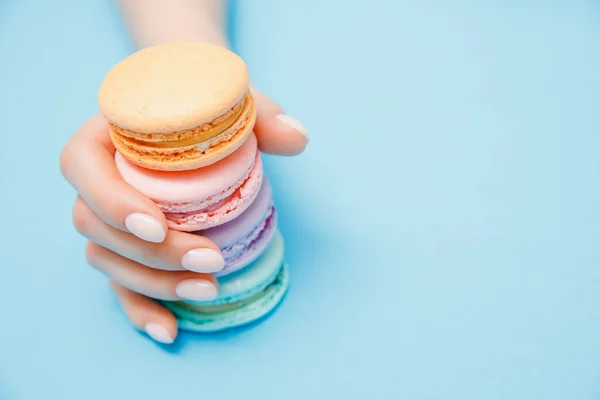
<point>5,393</point>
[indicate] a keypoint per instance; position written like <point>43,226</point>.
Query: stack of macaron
<point>181,117</point>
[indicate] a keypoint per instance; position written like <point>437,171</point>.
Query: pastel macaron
<point>178,106</point>
<point>202,198</point>
<point>244,296</point>
<point>246,237</point>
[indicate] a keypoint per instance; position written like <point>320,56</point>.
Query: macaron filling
<point>189,149</point>
<point>187,137</point>
<point>222,307</point>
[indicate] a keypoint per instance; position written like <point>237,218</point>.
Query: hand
<point>127,234</point>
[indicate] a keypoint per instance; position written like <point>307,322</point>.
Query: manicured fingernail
<point>203,260</point>
<point>145,227</point>
<point>196,289</point>
<point>293,123</point>
<point>158,333</point>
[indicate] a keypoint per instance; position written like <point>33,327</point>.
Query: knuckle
<point>153,252</point>
<point>155,255</point>
<point>114,286</point>
<point>93,254</point>
<point>81,218</point>
<point>67,159</point>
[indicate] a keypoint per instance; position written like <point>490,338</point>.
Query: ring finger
<point>154,283</point>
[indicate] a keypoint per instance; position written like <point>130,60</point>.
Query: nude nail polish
<point>203,260</point>
<point>145,227</point>
<point>158,333</point>
<point>293,123</point>
<point>196,290</point>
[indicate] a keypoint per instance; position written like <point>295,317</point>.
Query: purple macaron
<point>245,238</point>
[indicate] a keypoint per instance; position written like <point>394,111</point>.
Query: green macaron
<point>244,296</point>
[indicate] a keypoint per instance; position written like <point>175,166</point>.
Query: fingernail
<point>196,289</point>
<point>203,260</point>
<point>293,123</point>
<point>158,333</point>
<point>145,227</point>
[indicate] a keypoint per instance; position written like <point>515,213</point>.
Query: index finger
<point>87,162</point>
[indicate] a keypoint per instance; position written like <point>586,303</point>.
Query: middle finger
<point>154,283</point>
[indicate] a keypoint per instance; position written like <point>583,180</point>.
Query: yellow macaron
<point>178,106</point>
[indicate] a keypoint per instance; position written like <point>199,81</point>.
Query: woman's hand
<point>127,234</point>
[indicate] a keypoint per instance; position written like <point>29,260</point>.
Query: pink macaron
<point>202,198</point>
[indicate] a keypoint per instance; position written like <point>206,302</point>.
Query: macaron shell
<point>260,308</point>
<point>172,87</point>
<point>230,233</point>
<point>230,208</point>
<point>252,250</point>
<point>190,186</point>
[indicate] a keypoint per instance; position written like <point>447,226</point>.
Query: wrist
<point>206,34</point>
<point>153,22</point>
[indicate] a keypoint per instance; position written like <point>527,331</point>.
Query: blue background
<point>443,228</point>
